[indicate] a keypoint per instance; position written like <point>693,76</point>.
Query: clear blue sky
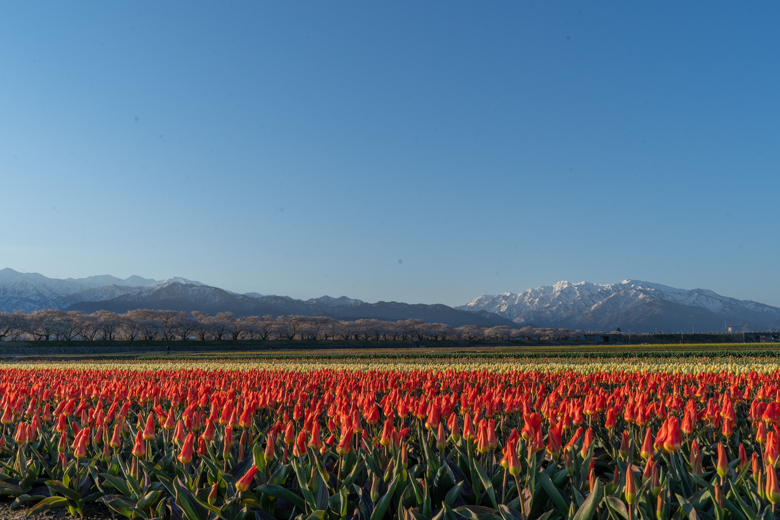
<point>411,151</point>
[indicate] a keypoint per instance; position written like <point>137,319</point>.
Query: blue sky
<point>412,151</point>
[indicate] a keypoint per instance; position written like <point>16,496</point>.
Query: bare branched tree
<point>166,325</point>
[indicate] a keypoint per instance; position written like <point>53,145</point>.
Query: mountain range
<point>29,292</point>
<point>640,306</point>
<point>630,304</point>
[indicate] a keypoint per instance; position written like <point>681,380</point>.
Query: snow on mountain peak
<point>175,279</point>
<point>32,291</point>
<point>565,303</point>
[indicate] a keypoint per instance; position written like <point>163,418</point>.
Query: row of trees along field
<point>144,324</point>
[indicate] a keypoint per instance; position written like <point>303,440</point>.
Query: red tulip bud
<point>772,491</point>
<point>185,455</point>
<point>246,481</point>
<point>139,448</point>
<point>630,491</point>
<point>723,461</point>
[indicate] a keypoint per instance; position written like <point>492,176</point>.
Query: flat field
<point>496,434</point>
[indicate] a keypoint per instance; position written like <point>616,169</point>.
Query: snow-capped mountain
<point>29,292</point>
<point>641,306</point>
<point>32,291</point>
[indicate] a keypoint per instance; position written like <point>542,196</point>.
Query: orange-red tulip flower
<point>185,455</point>
<point>245,482</point>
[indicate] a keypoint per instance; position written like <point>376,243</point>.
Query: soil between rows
<point>91,512</point>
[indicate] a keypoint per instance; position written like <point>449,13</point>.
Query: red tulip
<point>755,466</point>
<point>743,460</point>
<point>67,411</point>
<point>373,415</point>
<point>62,424</point>
<point>7,417</point>
<point>554,441</point>
<point>648,472</point>
<point>630,490</point>
<point>491,434</point>
<point>723,461</point>
<point>148,434</point>
<point>532,423</point>
<point>245,482</point>
<point>452,424</point>
<point>673,438</point>
<point>139,448</point>
<point>185,455</point>
<point>586,441</point>
<point>289,433</point>
<point>772,450</point>
<point>696,458</point>
<point>623,450</point>
<point>299,447</point>
<point>81,448</point>
<point>269,448</point>
<point>315,441</point>
<point>345,445</point>
<point>169,421</point>
<point>761,433</point>
<point>688,423</point>
<point>513,462</point>
<point>468,428</point>
<point>21,433</point>
<point>208,432</point>
<point>647,445</point>
<point>434,417</point>
<point>228,439</point>
<point>387,431</point>
<point>246,419</point>
<point>46,415</point>
<point>727,427</point>
<point>771,490</point>
<point>611,419</point>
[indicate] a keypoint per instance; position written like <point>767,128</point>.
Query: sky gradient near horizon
<point>419,152</point>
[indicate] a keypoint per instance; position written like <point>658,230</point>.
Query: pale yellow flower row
<point>669,365</point>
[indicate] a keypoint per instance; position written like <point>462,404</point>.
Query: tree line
<point>163,325</point>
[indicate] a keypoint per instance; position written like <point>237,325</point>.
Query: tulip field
<point>395,439</point>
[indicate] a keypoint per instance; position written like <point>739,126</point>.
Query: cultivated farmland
<point>454,436</point>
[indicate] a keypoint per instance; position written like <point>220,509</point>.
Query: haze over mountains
<point>640,306</point>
